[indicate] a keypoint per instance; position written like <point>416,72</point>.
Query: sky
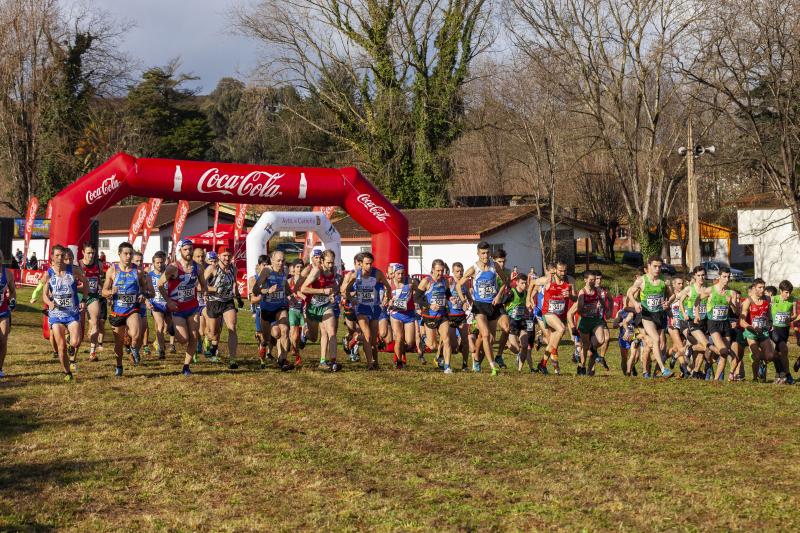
<point>196,31</point>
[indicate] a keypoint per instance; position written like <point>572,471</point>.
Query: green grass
<point>415,450</point>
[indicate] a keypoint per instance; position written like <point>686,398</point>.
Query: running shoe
<point>672,361</point>
<point>762,372</point>
<point>476,366</point>
<point>634,372</point>
<point>215,359</point>
<point>298,361</point>
<point>136,357</point>
<point>464,366</point>
<point>68,378</point>
<point>2,374</point>
<point>335,367</point>
<point>556,368</point>
<point>146,350</point>
<point>324,365</point>
<point>646,375</point>
<point>581,371</point>
<point>780,380</point>
<point>602,361</point>
<point>448,370</point>
<point>286,366</point>
<point>354,353</point>
<point>71,351</point>
<point>233,365</point>
<point>162,355</point>
<point>186,371</point>
<point>789,379</point>
<point>422,360</point>
<point>667,373</point>
<point>709,373</point>
<point>576,355</point>
<point>118,371</point>
<point>172,349</point>
<point>93,357</point>
<point>302,342</point>
<point>500,362</point>
<point>440,362</point>
<point>495,371</point>
<point>262,363</point>
<point>590,372</point>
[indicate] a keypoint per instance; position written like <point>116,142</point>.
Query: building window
<point>103,244</point>
<point>622,233</point>
<point>748,250</point>
<point>365,249</point>
<point>496,246</point>
<point>707,248</point>
<point>414,250</point>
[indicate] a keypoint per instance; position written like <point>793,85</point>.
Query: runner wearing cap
<point>179,285</point>
<point>203,260</point>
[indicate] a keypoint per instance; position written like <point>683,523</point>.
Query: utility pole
<point>693,224</point>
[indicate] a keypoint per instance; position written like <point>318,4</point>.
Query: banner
<point>49,211</point>
<point>152,212</point>
<point>181,212</point>
<point>30,216</point>
<point>238,223</point>
<point>311,237</point>
<point>137,221</point>
<point>216,223</point>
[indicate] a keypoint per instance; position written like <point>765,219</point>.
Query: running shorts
<point>456,321</point>
<point>216,308</point>
<point>185,314</point>
<point>315,313</point>
<point>659,318</point>
<point>779,335</point>
<point>516,327</point>
<point>490,311</point>
<point>271,315</point>
<point>118,321</point>
<point>406,317</point>
<point>64,320</point>
<point>371,312</point>
<point>588,325</point>
<point>434,322</point>
<point>723,327</point>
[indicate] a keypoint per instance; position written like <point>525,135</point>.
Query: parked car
<point>668,269</point>
<point>289,247</point>
<point>712,270</point>
<point>633,259</point>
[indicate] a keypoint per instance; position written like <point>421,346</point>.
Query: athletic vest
<point>366,287</point>
<point>718,305</point>
<point>223,281</point>
<point>781,311</point>
<point>93,274</point>
<point>652,294</point>
<point>758,314</point>
<point>3,293</point>
<point>556,296</point>
<point>157,298</point>
<point>702,305</point>
<point>484,288</point>
<point>276,300</point>
<point>436,294</point>
<point>183,289</point>
<point>591,305</point>
<point>126,299</point>
<point>402,300</point>
<point>323,281</point>
<point>64,293</point>
<point>455,306</point>
<point>516,308</point>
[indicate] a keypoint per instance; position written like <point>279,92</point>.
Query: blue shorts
<point>5,314</point>
<point>406,317</point>
<point>158,308</point>
<point>384,315</point>
<point>185,314</point>
<point>143,311</point>
<point>373,313</point>
<point>63,320</point>
<point>257,319</point>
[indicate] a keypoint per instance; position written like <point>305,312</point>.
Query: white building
<point>767,226</point>
<point>451,234</point>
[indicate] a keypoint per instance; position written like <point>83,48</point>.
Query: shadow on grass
<point>14,423</point>
<point>32,477</point>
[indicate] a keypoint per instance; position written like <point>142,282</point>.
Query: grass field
<point>415,450</point>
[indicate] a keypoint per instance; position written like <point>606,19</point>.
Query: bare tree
<point>611,62</point>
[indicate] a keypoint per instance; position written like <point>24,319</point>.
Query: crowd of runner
<point>471,315</point>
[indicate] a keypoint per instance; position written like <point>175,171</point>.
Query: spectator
<point>19,256</point>
<point>33,263</point>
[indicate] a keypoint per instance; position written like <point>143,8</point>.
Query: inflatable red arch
<point>124,175</point>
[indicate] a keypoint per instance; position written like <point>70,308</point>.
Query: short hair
<point>654,259</point>
<point>786,285</point>
<point>677,277</point>
<point>560,263</point>
<point>438,262</point>
<point>57,248</point>
<point>124,245</point>
<point>587,273</point>
<point>724,269</point>
<point>359,256</point>
<point>274,252</point>
<point>458,264</point>
<point>367,255</point>
<point>598,273</point>
<point>329,253</point>
<point>698,269</point>
<point>89,245</point>
<point>263,259</point>
<point>499,254</point>
<point>297,262</point>
<point>483,245</point>
<point>771,290</point>
<point>159,255</point>
<point>757,281</point>
<point>140,254</point>
<point>551,265</point>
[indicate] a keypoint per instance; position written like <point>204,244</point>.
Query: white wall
<point>776,245</point>
<point>521,243</point>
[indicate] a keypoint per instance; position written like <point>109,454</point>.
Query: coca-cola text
<point>257,184</point>
<point>108,186</point>
<point>376,210</point>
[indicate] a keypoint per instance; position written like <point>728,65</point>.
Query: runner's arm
<point>46,291</point>
<point>147,287</point>
<point>306,287</point>
<point>12,290</point>
<point>208,273</point>
<point>419,295</point>
<point>163,283</point>
<point>203,285</point>
<point>573,309</point>
<point>743,316</point>
<point>347,282</point>
<point>633,293</point>
<point>463,281</point>
<point>108,284</point>
<point>255,291</point>
<point>83,284</point>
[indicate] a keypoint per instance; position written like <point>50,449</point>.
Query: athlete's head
<point>328,260</point>
<point>366,261</point>
<point>589,278</point>
<point>137,259</point>
<point>483,252</point>
<point>125,251</point>
<point>437,269</point>
<point>159,258</point>
<point>198,256</point>
<point>297,267</point>
<point>399,274</point>
<point>185,248</point>
<point>561,270</point>
<point>522,283</point>
<point>499,257</point>
<point>89,253</point>
<point>598,278</point>
<point>357,259</point>
<point>57,255</point>
<point>757,287</point>
<point>69,256</point>
<point>786,289</point>
<point>771,291</point>
<point>277,259</point>
<point>550,268</point>
<point>458,270</point>
<point>678,283</point>
<point>263,260</point>
<point>224,256</point>
<point>698,274</point>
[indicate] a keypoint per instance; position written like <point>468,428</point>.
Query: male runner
<point>559,290</point>
<point>755,318</point>
<point>696,333</point>
<point>297,303</point>
<point>503,323</point>
<point>783,312</point>
<point>96,305</point>
<point>179,287</point>
<point>519,317</point>
<point>589,304</point>
<point>720,299</point>
<point>222,289</point>
<point>431,298</point>
<point>402,313</point>
<point>127,287</point>
<point>157,304</point>
<point>457,316</point>
<point>60,294</point>
<point>8,302</point>
<point>365,281</point>
<point>652,297</point>
<point>485,297</point>
<point>321,288</point>
<point>270,292</point>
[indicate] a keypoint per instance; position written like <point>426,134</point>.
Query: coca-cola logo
<point>33,277</point>
<point>376,210</point>
<point>141,215</point>
<point>256,184</point>
<point>183,210</point>
<point>31,215</point>
<point>153,212</point>
<point>108,186</point>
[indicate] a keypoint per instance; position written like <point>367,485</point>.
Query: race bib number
<point>486,289</point>
<point>781,319</point>
<point>158,297</point>
<point>517,313</point>
<point>719,312</point>
<point>529,325</point>
<point>760,322</point>
<point>366,296</point>
<point>63,302</point>
<point>318,300</point>
<point>185,294</point>
<point>128,299</point>
<point>556,307</point>
<point>437,299</point>
<point>701,309</point>
<point>93,284</point>
<point>676,311</point>
<point>400,303</point>
<point>275,296</point>
<point>655,301</point>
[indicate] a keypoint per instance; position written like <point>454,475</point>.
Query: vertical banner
<point>311,237</point>
<point>181,212</point>
<point>137,221</point>
<point>48,214</point>
<point>238,223</point>
<point>30,216</point>
<point>152,212</point>
<point>216,222</point>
